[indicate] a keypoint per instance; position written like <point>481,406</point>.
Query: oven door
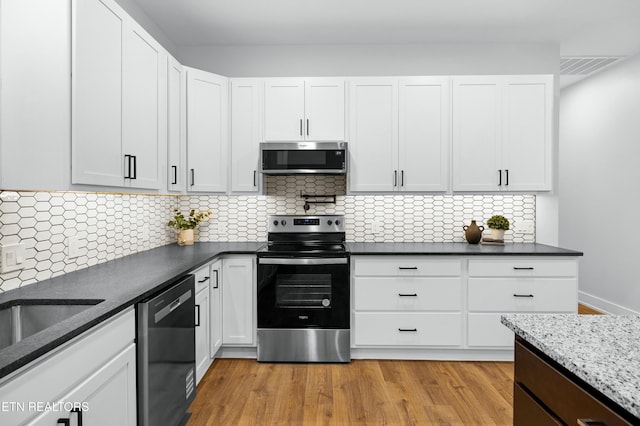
<point>303,293</point>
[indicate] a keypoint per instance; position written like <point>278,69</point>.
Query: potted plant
<point>186,224</point>
<point>498,224</point>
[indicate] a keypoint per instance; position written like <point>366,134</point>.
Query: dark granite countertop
<point>459,249</point>
<point>602,350</point>
<point>120,283</point>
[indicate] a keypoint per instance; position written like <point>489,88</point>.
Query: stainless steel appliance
<point>166,362</point>
<point>303,291</point>
<point>289,158</point>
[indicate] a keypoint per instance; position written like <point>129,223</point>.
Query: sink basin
<point>24,318</point>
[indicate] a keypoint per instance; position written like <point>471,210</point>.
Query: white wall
<point>599,184</point>
<point>373,60</point>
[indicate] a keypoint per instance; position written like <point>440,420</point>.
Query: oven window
<point>303,290</point>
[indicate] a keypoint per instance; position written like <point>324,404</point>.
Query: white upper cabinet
<point>176,129</point>
<point>117,89</point>
<point>502,133</point>
<point>423,151</point>
<point>373,128</point>
<point>207,131</point>
<point>399,134</point>
<point>299,109</point>
<point>245,134</point>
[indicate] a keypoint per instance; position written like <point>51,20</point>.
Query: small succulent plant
<point>498,222</point>
<point>181,221</point>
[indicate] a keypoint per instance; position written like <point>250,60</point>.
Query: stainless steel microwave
<point>293,158</point>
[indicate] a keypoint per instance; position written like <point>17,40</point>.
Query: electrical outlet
<point>76,247</point>
<point>13,257</point>
<point>525,227</point>
<point>377,227</point>
<point>143,232</point>
<point>222,228</point>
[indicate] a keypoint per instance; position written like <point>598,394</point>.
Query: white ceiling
<point>580,27</point>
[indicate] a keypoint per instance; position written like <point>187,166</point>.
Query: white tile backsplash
<point>115,225</point>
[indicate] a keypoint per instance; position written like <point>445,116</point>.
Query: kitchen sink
<point>25,318</point>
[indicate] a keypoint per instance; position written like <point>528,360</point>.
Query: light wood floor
<point>245,392</point>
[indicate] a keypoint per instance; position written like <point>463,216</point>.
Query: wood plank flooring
<point>381,392</point>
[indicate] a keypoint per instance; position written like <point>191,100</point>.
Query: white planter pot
<point>185,237</point>
<point>497,234</point>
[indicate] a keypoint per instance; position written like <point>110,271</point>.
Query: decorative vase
<point>473,232</point>
<point>185,237</point>
<point>497,234</point>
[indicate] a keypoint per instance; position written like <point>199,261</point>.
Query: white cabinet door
<point>284,109</point>
<point>203,360</point>
<point>97,49</point>
<point>527,132</point>
<point>207,131</point>
<point>477,136</point>
<point>324,110</point>
<point>238,301</point>
<point>106,398</point>
<point>424,134</point>
<point>176,129</point>
<point>143,86</point>
<point>215,311</point>
<point>373,129</point>
<point>245,134</point>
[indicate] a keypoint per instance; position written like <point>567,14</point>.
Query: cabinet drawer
<point>523,267</point>
<point>202,277</point>
<point>527,411</point>
<point>557,392</point>
<point>407,293</point>
<point>523,294</point>
<point>487,330</point>
<point>408,329</point>
<point>417,266</point>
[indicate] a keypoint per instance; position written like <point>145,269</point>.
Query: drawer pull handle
<point>408,295</point>
<point>523,295</point>
<point>203,280</point>
<point>530,268</point>
<point>408,267</point>
<point>408,329</point>
<point>591,422</point>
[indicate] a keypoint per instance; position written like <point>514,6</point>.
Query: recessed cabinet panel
<point>245,134</point>
<point>408,329</point>
<point>373,141</point>
<point>284,110</point>
<point>324,110</point>
<point>238,301</point>
<point>97,40</point>
<point>176,130</point>
<point>408,293</point>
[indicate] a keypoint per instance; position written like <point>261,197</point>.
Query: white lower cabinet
<point>203,359</point>
<point>91,379</point>
<point>238,301</point>
<point>215,313</point>
<point>408,328</point>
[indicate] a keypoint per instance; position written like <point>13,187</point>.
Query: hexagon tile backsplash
<point>109,226</point>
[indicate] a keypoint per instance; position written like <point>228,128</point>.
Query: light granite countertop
<point>602,350</point>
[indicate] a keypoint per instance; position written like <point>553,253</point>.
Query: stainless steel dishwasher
<point>166,355</point>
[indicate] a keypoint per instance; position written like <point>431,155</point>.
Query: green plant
<point>181,222</point>
<point>498,222</point>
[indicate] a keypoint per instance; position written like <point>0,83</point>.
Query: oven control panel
<point>319,223</point>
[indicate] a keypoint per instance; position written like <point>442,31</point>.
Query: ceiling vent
<point>585,65</point>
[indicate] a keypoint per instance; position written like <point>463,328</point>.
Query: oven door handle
<point>303,261</point>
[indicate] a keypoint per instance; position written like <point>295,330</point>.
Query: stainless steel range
<point>303,291</point>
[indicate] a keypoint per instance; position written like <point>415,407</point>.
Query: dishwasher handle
<point>168,309</point>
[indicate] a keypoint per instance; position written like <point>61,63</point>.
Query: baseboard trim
<point>603,305</point>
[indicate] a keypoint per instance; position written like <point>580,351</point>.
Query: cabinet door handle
<point>193,177</point>
<point>522,295</point>
<point>408,329</point>
<point>506,172</point>
<point>395,178</point>
<point>401,177</point>
<point>203,280</point>
<point>197,324</point>
<point>591,422</point>
<point>408,295</point>
<point>307,127</point>
<point>518,268</point>
<point>135,167</point>
<point>301,127</point>
<point>500,177</point>
<point>79,412</point>
<point>217,278</point>
<point>175,175</point>
<point>408,267</point>
<point>127,160</point>
<point>254,178</point>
